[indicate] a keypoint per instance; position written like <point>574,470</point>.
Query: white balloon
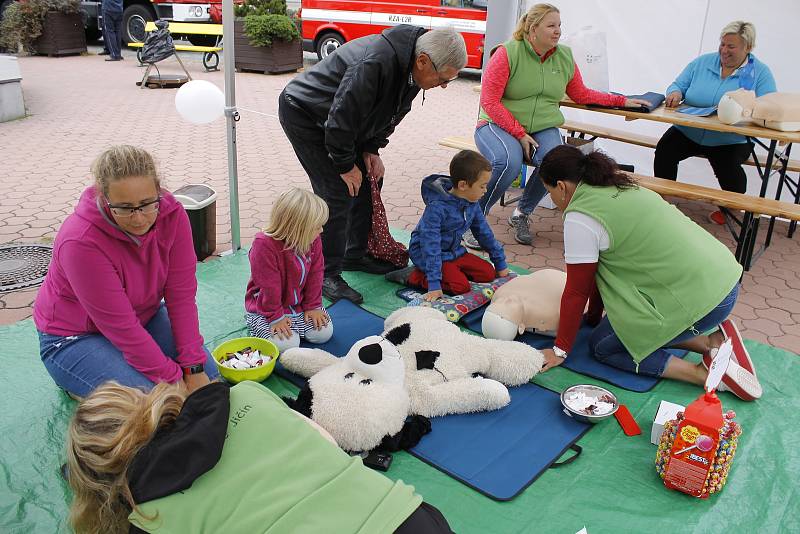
<point>200,102</point>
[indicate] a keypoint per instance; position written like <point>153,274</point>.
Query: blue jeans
<point>505,154</point>
<point>80,363</point>
<point>607,348</point>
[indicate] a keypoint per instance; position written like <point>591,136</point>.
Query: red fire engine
<point>328,24</point>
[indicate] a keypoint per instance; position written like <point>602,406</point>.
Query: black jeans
<point>350,218</point>
<point>112,33</point>
<point>725,160</point>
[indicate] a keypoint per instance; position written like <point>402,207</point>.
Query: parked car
<point>328,24</point>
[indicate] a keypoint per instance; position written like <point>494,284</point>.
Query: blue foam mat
<point>350,323</point>
<point>497,453</point>
<point>580,360</point>
<point>501,453</point>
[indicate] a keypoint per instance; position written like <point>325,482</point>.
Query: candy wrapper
<point>721,460</point>
<point>246,358</point>
<point>585,404</point>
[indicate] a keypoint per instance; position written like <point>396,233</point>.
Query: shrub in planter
<point>43,26</point>
<point>266,39</point>
<point>262,30</point>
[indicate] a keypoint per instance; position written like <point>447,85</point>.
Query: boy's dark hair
<point>466,166</point>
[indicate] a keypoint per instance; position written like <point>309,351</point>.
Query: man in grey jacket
<point>341,112</point>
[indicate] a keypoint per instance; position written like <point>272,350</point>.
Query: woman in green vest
<point>663,280</point>
<point>233,460</point>
<point>521,88</point>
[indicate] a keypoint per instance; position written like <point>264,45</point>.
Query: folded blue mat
<point>497,453</point>
<point>580,360</point>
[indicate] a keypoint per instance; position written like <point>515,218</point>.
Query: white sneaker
<point>737,379</point>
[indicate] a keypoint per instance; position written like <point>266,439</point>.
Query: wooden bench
<point>582,129</point>
<point>753,207</point>
<point>210,53</point>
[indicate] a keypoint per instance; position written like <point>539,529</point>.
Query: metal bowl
<point>590,391</point>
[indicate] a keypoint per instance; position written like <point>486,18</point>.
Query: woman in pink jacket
<point>118,302</point>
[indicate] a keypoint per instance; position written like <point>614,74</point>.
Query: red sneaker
<point>717,217</point>
<point>737,379</point>
<point>730,331</point>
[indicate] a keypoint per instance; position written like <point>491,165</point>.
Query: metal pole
<point>231,117</point>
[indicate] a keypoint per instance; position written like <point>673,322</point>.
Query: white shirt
<point>584,238</point>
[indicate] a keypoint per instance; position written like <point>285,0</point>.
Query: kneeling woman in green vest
<point>155,462</point>
<point>662,279</point>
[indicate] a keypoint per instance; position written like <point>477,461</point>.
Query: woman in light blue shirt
<point>702,84</point>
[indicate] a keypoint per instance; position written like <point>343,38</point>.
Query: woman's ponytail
<point>567,163</point>
<point>600,170</point>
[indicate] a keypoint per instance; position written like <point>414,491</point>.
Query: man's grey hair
<point>444,46</point>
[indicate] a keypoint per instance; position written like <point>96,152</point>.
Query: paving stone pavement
<point>80,105</point>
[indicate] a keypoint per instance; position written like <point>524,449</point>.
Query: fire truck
<point>328,24</point>
<point>137,13</point>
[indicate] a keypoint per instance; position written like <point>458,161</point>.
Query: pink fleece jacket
<point>283,282</point>
<point>104,280</point>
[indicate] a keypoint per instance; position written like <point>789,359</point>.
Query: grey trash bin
<point>200,202</point>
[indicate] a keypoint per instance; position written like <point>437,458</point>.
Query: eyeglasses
<point>441,82</point>
<point>126,211</point>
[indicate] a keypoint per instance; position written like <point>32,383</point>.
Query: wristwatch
<point>560,353</point>
<point>193,369</point>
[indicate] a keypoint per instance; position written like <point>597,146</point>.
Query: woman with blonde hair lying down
<point>155,462</point>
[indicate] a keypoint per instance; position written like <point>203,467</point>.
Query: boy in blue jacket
<point>451,208</point>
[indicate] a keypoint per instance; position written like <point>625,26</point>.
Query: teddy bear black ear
<point>303,402</point>
<point>398,334</point>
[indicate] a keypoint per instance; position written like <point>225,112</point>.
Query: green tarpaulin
<point>612,487</point>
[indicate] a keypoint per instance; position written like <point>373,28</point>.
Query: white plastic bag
<point>590,52</point>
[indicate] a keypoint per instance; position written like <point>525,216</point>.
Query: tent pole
<point>231,117</point>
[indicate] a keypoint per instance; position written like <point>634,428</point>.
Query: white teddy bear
<point>451,371</point>
<point>422,366</point>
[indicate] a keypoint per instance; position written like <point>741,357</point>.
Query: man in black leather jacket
<point>340,113</point>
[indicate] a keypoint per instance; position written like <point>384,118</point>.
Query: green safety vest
<point>277,474</point>
<point>661,272</point>
<point>535,88</point>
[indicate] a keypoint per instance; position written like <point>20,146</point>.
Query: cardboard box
<point>666,411</point>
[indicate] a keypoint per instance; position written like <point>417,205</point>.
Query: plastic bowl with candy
<point>588,403</point>
<point>256,374</point>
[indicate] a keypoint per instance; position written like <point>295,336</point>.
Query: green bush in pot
<point>266,21</point>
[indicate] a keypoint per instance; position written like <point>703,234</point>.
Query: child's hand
<point>316,317</point>
<point>502,273</point>
<point>282,329</point>
<point>430,296</point>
